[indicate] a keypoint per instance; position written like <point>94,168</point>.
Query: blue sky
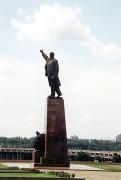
<point>85,36</point>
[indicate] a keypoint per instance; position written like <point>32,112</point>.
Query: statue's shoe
<point>51,96</point>
<point>60,94</point>
<point>58,97</point>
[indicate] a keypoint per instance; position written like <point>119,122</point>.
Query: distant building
<point>104,155</point>
<point>74,137</point>
<point>118,138</point>
<point>27,154</point>
<point>16,154</point>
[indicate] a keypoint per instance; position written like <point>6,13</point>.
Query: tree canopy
<point>84,144</point>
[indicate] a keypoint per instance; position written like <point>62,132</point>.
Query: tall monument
<point>56,150</point>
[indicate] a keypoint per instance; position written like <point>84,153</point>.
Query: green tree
<point>82,156</point>
<point>116,158</point>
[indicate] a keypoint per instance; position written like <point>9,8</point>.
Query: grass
<point>104,166</point>
<point>10,170</point>
<point>26,175</point>
<point>26,172</point>
<point>17,173</point>
<point>3,166</point>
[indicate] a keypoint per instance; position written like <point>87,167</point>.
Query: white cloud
<point>7,70</point>
<point>99,48</point>
<point>22,12</point>
<point>49,23</point>
<point>62,23</point>
<point>21,110</point>
<point>90,118</point>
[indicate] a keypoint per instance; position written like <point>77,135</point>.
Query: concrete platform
<point>72,167</point>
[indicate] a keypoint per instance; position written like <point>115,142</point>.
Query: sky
<point>85,36</point>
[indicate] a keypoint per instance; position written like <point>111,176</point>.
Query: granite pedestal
<point>56,151</point>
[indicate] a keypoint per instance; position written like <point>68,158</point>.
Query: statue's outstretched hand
<point>44,55</point>
<point>41,50</point>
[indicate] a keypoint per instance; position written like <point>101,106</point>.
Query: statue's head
<point>37,133</point>
<point>52,55</point>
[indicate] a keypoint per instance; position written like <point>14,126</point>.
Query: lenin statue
<point>51,71</point>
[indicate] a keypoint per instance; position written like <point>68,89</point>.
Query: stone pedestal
<point>36,157</point>
<point>56,151</point>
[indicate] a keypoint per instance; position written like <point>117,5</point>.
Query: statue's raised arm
<point>52,71</point>
<point>44,55</point>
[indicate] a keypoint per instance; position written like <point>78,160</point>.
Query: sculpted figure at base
<point>51,71</point>
<point>39,143</point>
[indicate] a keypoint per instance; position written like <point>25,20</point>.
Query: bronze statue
<point>39,143</point>
<point>51,71</point>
